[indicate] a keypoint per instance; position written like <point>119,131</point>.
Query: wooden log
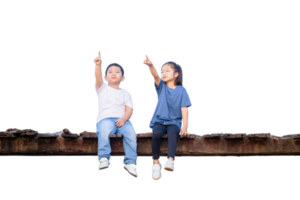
<point>259,135</point>
<point>144,135</point>
<point>4,134</point>
<point>24,132</point>
<point>213,136</point>
<point>115,135</point>
<point>67,134</point>
<point>208,145</point>
<point>66,131</point>
<point>70,135</point>
<point>50,135</point>
<point>88,135</point>
<point>186,147</point>
<point>295,135</point>
<point>236,135</point>
<point>12,129</point>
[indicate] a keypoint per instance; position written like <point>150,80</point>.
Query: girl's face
<point>168,73</point>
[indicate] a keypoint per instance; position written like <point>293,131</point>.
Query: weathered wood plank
<point>88,135</point>
<point>185,147</point>
<point>54,134</point>
<point>4,134</point>
<point>219,144</point>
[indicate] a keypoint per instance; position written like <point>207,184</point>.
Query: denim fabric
<point>108,126</point>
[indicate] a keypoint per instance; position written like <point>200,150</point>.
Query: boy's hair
<point>177,68</point>
<point>114,64</point>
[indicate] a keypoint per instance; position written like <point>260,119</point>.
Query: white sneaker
<point>156,171</point>
<point>169,165</point>
<point>104,162</point>
<point>131,168</point>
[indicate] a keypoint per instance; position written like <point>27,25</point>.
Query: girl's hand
<point>147,61</point>
<point>120,122</point>
<point>183,131</point>
<point>98,60</point>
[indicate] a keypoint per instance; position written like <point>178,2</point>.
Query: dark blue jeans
<point>158,131</point>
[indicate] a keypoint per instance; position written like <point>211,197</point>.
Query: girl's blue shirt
<point>170,102</point>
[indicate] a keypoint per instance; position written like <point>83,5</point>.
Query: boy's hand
<point>147,61</point>
<point>183,131</point>
<point>98,60</point>
<point>120,122</point>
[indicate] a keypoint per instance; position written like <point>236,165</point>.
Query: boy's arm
<point>128,113</point>
<point>98,69</point>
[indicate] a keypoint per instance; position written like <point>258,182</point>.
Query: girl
<point>171,108</point>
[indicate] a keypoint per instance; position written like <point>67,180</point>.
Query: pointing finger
<point>99,54</point>
<point>147,57</point>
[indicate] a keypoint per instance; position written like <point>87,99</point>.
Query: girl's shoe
<point>169,165</point>
<point>156,171</point>
<point>104,162</point>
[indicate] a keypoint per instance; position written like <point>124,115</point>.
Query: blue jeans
<point>108,126</point>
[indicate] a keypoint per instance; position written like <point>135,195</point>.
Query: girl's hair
<point>114,64</point>
<point>177,68</point>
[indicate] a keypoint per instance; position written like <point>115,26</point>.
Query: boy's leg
<point>129,142</point>
<point>158,131</point>
<point>104,128</point>
<point>173,132</point>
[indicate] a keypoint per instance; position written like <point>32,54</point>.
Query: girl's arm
<point>98,71</point>
<point>189,119</point>
<point>151,69</point>
<point>185,111</point>
<point>128,112</point>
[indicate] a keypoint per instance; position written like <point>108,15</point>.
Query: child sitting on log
<point>171,108</point>
<point>114,110</point>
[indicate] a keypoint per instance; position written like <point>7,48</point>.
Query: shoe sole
<point>157,179</point>
<point>103,168</point>
<point>169,169</point>
<point>133,175</point>
<point>130,172</point>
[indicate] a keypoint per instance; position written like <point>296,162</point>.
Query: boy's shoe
<point>156,171</point>
<point>104,162</point>
<point>131,168</point>
<point>169,165</point>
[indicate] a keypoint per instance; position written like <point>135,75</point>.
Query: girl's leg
<point>173,132</point>
<point>104,128</point>
<point>129,142</point>
<point>158,131</point>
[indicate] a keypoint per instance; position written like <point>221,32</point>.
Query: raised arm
<point>98,71</point>
<point>153,71</point>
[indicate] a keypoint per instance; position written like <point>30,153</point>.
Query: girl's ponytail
<point>178,80</point>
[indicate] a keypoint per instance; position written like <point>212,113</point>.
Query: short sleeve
<point>159,88</point>
<point>101,87</point>
<point>94,88</point>
<point>129,101</point>
<point>97,91</point>
<point>185,99</point>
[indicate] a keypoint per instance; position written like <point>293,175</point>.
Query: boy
<point>114,110</point>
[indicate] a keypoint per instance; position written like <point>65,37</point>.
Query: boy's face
<point>114,75</point>
<point>167,73</point>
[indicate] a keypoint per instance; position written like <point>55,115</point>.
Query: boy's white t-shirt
<point>111,102</point>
